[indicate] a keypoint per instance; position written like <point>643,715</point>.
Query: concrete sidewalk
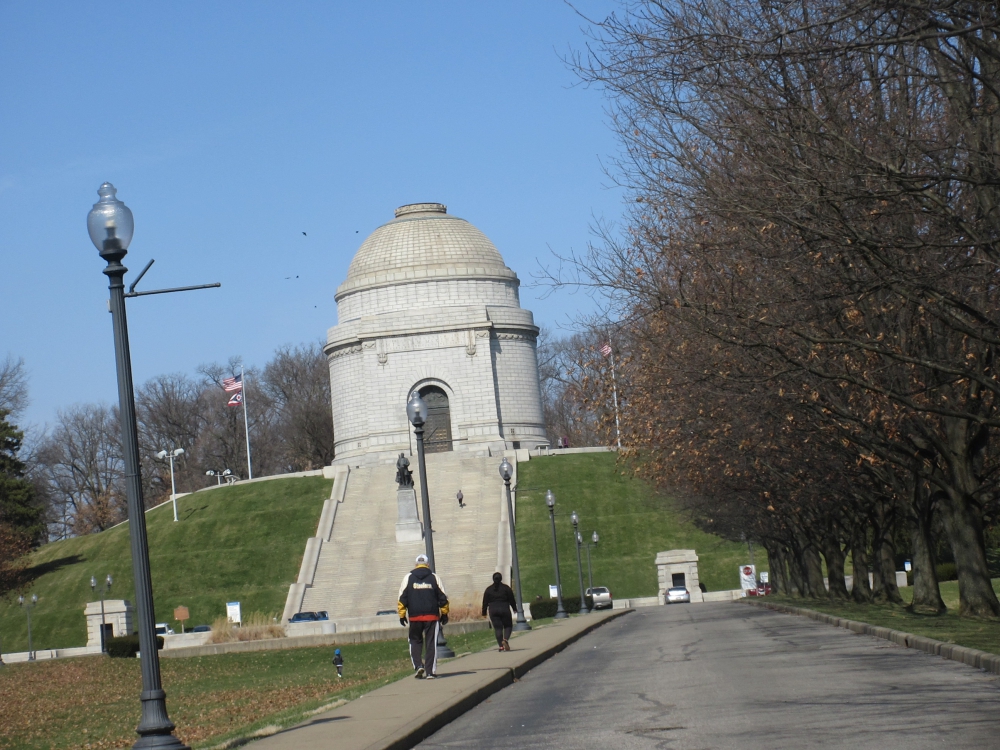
<point>400,715</point>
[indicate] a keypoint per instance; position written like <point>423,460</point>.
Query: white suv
<point>601,596</point>
<point>163,629</point>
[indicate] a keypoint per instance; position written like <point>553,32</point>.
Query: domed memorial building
<point>429,305</point>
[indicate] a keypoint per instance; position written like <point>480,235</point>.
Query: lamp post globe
<point>550,501</point>
<point>506,472</point>
<point>416,412</point>
<point>110,226</point>
<point>575,519</point>
<point>594,537</point>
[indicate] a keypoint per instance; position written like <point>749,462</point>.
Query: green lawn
<point>949,627</point>
<point>634,523</point>
<point>242,543</point>
<point>51,705</point>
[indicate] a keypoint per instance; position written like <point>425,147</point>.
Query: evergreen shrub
<point>127,646</point>
<point>547,607</point>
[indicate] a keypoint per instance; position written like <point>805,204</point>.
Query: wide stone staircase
<point>359,568</point>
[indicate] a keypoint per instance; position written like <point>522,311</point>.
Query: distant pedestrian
<point>338,662</point>
<point>423,600</point>
<point>498,601</point>
<point>461,499</point>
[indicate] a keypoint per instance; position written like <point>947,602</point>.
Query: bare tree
<point>13,386</point>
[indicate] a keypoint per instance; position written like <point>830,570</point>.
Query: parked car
<point>678,594</point>
<point>163,629</point>
<point>601,596</point>
<point>201,629</point>
<point>310,616</point>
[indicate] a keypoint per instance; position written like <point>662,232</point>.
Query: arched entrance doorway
<point>437,429</point>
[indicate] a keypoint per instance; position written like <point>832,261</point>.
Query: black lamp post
<point>506,472</point>
<point>584,609</point>
<point>106,588</point>
<point>590,569</point>
<point>27,608</point>
<point>416,412</point>
<point>550,500</point>
<point>110,226</point>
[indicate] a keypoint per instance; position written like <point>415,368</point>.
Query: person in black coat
<point>498,601</point>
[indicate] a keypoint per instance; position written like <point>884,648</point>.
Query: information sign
<point>233,612</point>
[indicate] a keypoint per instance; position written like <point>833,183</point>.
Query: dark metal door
<point>437,429</point>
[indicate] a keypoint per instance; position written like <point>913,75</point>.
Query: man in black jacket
<point>423,600</point>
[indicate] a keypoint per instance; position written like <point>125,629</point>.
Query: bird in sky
<point>304,234</point>
<point>288,277</point>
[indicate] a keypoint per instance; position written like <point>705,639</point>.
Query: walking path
<point>402,714</point>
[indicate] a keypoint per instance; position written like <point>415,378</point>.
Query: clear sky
<point>230,129</point>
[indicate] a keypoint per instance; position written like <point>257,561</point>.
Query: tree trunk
<point>776,565</point>
<point>965,533</point>
<point>835,558</point>
<point>926,593</point>
<point>861,590</point>
<point>814,572</point>
<point>796,583</point>
<point>884,563</point>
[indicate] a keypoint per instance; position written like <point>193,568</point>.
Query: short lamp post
<point>506,472</point>
<point>110,226</point>
<point>550,500</point>
<point>173,487</point>
<point>584,609</point>
<point>27,608</point>
<point>105,589</point>
<point>416,412</point>
<point>590,570</point>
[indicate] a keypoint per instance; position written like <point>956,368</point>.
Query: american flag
<point>606,350</point>
<point>233,384</point>
<point>236,400</point>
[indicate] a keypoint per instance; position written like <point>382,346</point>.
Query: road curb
<point>970,656</point>
<point>426,726</point>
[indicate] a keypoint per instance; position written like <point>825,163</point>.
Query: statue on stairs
<point>404,477</point>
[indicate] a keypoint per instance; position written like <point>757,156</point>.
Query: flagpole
<point>614,393</point>
<point>246,422</point>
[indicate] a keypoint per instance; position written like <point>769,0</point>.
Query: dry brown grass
<point>465,612</point>
<point>256,627</point>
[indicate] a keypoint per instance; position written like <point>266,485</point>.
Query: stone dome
<point>424,243</point>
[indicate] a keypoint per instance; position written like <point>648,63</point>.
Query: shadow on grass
<point>52,566</point>
<point>191,511</point>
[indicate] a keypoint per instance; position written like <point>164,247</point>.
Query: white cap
<point>421,559</point>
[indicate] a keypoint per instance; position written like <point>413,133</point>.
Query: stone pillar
<point>680,562</point>
<point>118,613</point>
<point>408,526</point>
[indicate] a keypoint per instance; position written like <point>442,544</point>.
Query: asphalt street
<point>720,676</point>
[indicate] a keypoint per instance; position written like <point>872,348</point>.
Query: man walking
<point>423,601</point>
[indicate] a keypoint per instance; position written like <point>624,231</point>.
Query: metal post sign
<point>233,612</point>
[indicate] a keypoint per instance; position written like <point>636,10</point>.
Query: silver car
<point>678,594</point>
<point>601,596</point>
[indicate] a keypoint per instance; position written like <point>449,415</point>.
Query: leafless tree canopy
<point>805,291</point>
<point>78,463</point>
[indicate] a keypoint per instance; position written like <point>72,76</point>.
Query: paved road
<point>720,676</point>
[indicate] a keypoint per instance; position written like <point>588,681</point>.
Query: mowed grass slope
<point>633,520</point>
<point>242,543</point>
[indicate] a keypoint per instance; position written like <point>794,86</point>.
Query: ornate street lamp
<point>575,519</point>
<point>506,472</point>
<point>416,412</point>
<point>173,487</point>
<point>550,500</point>
<point>110,226</point>
<point>590,570</point>
<point>105,589</point>
<point>27,608</point>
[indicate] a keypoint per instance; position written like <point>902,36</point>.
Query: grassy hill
<point>634,523</point>
<point>242,543</point>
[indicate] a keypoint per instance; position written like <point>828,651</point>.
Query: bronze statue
<point>404,477</point>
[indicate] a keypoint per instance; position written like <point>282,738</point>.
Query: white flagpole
<point>614,393</point>
<point>246,423</point>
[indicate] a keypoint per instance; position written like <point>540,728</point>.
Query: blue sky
<point>231,128</point>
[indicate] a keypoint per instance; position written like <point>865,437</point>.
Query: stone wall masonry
<point>970,656</point>
<point>407,297</point>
